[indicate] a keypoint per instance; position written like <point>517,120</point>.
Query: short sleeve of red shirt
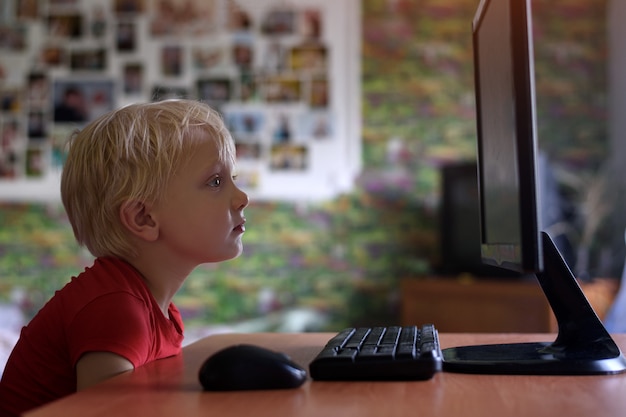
<point>124,329</point>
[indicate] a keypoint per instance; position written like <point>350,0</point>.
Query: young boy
<point>149,190</point>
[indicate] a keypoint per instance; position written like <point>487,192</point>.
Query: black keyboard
<point>379,353</point>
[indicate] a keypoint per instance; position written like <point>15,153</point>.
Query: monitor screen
<point>504,79</point>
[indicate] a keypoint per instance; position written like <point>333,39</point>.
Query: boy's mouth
<point>240,227</point>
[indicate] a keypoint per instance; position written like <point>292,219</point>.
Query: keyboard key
<point>408,335</point>
<point>356,339</point>
<point>391,336</point>
<point>373,338</point>
<point>341,337</point>
<point>405,351</point>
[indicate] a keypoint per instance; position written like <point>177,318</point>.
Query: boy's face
<point>201,217</point>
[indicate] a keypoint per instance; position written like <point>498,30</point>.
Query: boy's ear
<point>135,216</point>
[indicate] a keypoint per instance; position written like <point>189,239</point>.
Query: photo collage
<point>266,66</point>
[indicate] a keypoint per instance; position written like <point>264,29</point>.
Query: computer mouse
<point>250,367</point>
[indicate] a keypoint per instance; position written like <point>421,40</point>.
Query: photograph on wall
<point>242,121</point>
<point>53,55</point>
<point>66,26</point>
<point>183,17</point>
<point>282,88</point>
<point>214,90</point>
<point>248,151</point>
<point>37,90</point>
<point>10,136</point>
<point>88,59</point>
<point>129,6</point>
<point>273,56</point>
<point>243,52</point>
<point>204,58</point>
<point>126,36</point>
<point>11,143</point>
<point>10,100</point>
<point>132,76</point>
<point>317,125</point>
<point>239,20</point>
<point>37,125</point>
<point>319,92</point>
<point>27,9</point>
<point>282,125</point>
<point>248,87</point>
<point>172,60</point>
<point>308,57</point>
<point>288,158</point>
<point>12,37</point>
<point>280,21</point>
<point>59,136</point>
<point>164,92</point>
<point>35,162</point>
<point>311,24</point>
<point>9,165</point>
<point>98,22</point>
<point>80,101</point>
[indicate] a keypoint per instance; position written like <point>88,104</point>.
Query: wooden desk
<point>477,306</point>
<point>170,388</point>
<point>490,305</point>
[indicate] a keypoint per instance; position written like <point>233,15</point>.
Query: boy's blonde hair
<point>130,155</point>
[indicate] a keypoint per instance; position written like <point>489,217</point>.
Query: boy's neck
<point>162,282</point>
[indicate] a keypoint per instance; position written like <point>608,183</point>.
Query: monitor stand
<point>583,346</point>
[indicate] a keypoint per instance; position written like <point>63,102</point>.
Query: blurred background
<point>341,214</point>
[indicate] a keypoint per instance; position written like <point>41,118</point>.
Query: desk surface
<point>170,388</point>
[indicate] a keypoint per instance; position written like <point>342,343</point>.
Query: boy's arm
<point>94,367</point>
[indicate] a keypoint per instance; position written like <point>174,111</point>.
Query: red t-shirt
<point>107,308</point>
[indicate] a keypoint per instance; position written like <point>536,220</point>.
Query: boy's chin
<point>226,257</point>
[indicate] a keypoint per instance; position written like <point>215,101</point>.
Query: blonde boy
<point>149,190</point>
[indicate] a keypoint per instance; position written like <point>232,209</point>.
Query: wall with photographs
<point>285,75</point>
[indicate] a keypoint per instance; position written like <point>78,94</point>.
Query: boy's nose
<point>241,200</point>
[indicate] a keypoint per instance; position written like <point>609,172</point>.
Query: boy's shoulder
<point>111,272</point>
<point>106,276</point>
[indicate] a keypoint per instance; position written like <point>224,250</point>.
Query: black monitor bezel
<point>526,255</point>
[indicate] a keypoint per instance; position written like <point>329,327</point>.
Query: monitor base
<point>538,358</point>
<point>582,347</point>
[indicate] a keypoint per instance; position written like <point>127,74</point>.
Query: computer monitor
<point>506,126</point>
<point>511,235</point>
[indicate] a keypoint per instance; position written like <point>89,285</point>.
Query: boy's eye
<point>215,181</point>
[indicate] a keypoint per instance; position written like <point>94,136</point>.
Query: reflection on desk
<point>170,387</point>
